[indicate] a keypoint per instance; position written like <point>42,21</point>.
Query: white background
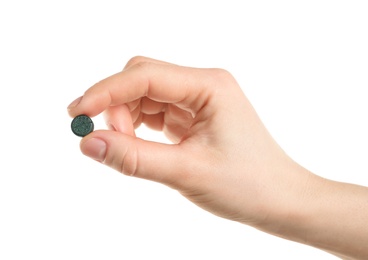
<point>302,64</point>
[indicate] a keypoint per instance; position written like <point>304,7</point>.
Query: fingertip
<point>73,105</point>
<point>93,102</point>
<point>107,147</point>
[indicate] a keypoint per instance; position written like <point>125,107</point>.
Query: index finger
<point>160,82</point>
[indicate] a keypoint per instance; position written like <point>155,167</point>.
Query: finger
<point>136,114</point>
<point>132,156</point>
<point>138,120</point>
<point>118,118</point>
<point>151,107</point>
<point>162,83</point>
<point>155,122</point>
<point>176,123</point>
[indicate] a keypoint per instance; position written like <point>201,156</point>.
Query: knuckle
<point>124,161</point>
<point>221,76</point>
<point>129,162</point>
<point>135,60</point>
<point>222,83</point>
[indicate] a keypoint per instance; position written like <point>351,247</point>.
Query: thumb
<point>136,157</point>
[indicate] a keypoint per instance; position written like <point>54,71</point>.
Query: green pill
<point>82,125</point>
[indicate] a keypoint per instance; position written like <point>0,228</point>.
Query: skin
<point>222,158</point>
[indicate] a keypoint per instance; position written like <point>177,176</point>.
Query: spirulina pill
<point>82,125</point>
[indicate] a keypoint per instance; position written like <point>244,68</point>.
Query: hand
<point>223,159</point>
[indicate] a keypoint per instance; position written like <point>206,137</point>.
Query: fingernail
<point>75,102</point>
<point>94,148</point>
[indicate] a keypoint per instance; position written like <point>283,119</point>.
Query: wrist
<point>322,213</point>
<point>291,203</point>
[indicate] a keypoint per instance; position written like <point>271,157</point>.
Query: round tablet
<point>82,125</point>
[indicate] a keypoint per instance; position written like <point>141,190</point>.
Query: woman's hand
<point>222,157</point>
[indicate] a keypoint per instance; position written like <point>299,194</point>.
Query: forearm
<point>338,219</point>
<point>328,215</point>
